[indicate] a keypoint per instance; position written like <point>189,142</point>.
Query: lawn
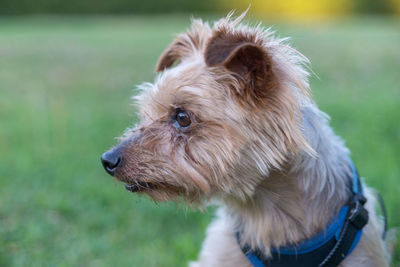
<point>65,87</point>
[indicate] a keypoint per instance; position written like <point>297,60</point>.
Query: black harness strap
<point>384,215</point>
<point>356,219</point>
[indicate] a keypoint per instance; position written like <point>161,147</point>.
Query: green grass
<point>65,85</point>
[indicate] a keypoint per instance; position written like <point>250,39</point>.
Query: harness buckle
<point>358,214</point>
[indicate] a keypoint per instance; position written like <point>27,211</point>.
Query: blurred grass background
<point>65,84</point>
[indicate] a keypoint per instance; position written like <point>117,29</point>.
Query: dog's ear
<point>169,56</point>
<point>245,58</point>
<point>180,47</point>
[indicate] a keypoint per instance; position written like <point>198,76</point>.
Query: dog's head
<point>222,113</point>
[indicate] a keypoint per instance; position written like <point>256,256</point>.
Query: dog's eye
<point>182,118</point>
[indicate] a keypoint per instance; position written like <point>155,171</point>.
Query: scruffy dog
<point>230,119</point>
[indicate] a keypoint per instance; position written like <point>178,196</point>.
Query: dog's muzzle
<point>113,158</point>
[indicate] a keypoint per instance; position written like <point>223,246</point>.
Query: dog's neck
<point>293,204</point>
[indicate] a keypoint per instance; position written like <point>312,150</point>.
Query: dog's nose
<point>110,160</point>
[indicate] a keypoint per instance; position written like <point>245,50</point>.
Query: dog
<point>230,120</point>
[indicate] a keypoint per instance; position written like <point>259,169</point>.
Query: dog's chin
<point>139,187</point>
<point>135,184</point>
<point>132,188</point>
<point>161,192</point>
<point>157,193</point>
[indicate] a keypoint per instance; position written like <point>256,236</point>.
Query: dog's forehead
<point>189,79</point>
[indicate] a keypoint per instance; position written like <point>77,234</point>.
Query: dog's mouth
<point>139,186</point>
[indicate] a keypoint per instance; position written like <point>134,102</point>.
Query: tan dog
<point>230,119</point>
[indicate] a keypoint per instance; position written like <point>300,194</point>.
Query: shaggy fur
<point>257,144</point>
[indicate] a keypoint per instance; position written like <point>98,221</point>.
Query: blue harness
<point>327,248</point>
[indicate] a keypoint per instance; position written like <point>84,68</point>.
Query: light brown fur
<point>257,144</point>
